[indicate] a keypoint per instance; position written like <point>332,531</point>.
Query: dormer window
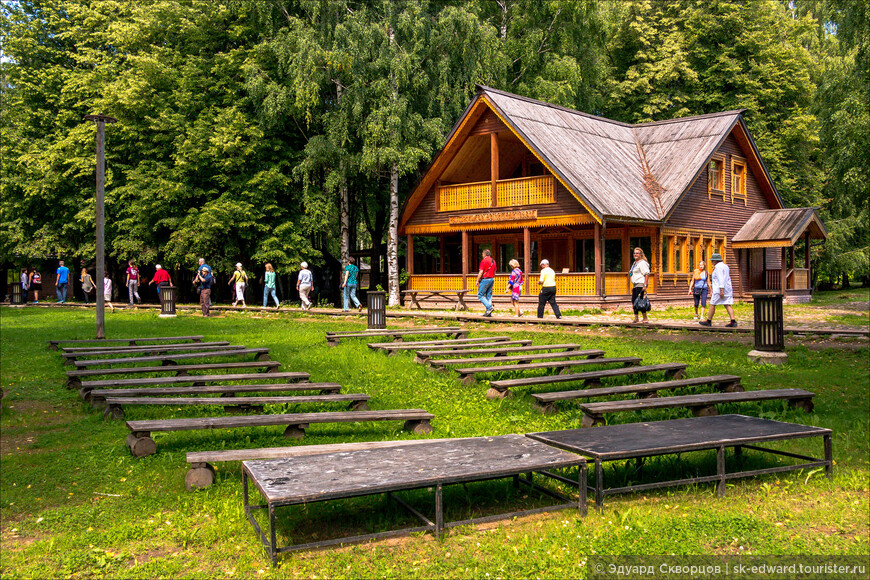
<point>738,179</point>
<point>716,177</point>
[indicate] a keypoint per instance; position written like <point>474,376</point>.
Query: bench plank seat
<point>424,355</point>
<point>701,405</point>
<point>97,397</point>
<point>467,374</point>
<point>74,378</point>
<point>448,295</point>
<point>197,380</point>
<point>260,354</point>
<point>114,404</point>
<point>521,358</point>
<point>333,338</point>
<point>140,443</point>
<point>500,389</point>
<point>545,402</point>
<point>451,342</point>
<point>53,344</point>
<point>141,347</point>
<point>70,357</point>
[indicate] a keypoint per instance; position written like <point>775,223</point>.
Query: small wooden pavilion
<point>531,180</point>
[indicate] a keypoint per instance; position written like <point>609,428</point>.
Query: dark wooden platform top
<point>396,331</point>
<point>282,419</point>
<point>179,356</point>
<point>194,337</point>
<point>590,375</point>
<point>128,348</point>
<point>674,436</point>
<point>289,481</point>
<point>433,343</point>
<point>630,360</point>
<point>631,389</point>
<point>704,399</point>
<point>97,394</point>
<point>501,349</point>
<point>156,349</point>
<point>120,401</point>
<point>466,348</point>
<point>297,450</point>
<point>518,358</point>
<point>121,383</point>
<point>269,364</point>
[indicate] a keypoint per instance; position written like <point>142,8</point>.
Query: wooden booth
<point>530,180</point>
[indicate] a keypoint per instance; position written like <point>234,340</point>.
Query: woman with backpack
<point>240,280</point>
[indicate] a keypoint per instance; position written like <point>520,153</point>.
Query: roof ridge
<point>484,88</point>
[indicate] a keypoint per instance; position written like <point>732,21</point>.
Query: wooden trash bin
<point>769,336</point>
<point>377,310</point>
<point>17,296</point>
<point>167,301</point>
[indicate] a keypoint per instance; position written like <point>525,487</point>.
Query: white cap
<point>545,262</point>
<point>157,267</point>
<point>238,264</point>
<point>304,264</point>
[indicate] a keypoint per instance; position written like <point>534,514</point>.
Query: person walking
<point>548,290</point>
<point>303,285</point>
<point>639,277</point>
<point>161,278</point>
<point>24,278</point>
<point>351,272</point>
<point>201,265</point>
<point>35,283</point>
<point>269,288</point>
<point>723,293</point>
<point>204,279</point>
<point>61,282</point>
<point>515,286</point>
<point>699,287</point>
<point>485,280</point>
<point>88,284</point>
<point>107,290</point>
<point>240,281</point>
<point>132,282</point>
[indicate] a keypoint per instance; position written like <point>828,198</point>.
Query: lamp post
<point>101,121</point>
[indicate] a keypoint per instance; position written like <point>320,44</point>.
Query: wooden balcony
<point>509,193</point>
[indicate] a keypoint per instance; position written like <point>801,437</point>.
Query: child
<point>515,286</point>
<point>107,290</point>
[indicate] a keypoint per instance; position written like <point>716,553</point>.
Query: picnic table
<point>302,480</point>
<point>454,296</point>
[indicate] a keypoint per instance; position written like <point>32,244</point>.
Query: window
<point>716,177</point>
<point>738,180</point>
<point>506,253</point>
<point>613,256</point>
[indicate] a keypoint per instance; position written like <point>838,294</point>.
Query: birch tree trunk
<point>393,237</point>
<point>344,204</point>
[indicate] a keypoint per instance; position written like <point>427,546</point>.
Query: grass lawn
<point>76,503</point>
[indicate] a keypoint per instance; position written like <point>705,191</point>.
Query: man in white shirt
<point>720,283</point>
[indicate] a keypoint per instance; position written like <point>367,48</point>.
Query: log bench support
<point>141,444</point>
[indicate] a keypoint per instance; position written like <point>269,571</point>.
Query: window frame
<point>741,193</point>
<point>711,191</point>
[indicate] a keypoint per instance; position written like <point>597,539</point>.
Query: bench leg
<point>74,383</point>
<point>241,409</point>
<point>141,444</point>
<point>648,395</point>
<point>706,411</point>
<point>359,406</point>
<point>468,379</point>
<point>676,375</point>
<point>331,341</point>
<point>591,420</point>
<point>494,394</point>
<point>113,412</point>
<point>591,384</point>
<point>734,387</point>
<point>421,427</point>
<point>70,362</point>
<point>330,391</point>
<point>805,404</point>
<point>421,360</point>
<point>273,369</point>
<point>199,475</point>
<point>295,431</point>
<point>168,362</point>
<point>263,356</point>
<point>547,409</point>
<point>720,471</point>
<point>564,370</point>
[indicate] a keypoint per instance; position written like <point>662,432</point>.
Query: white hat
<point>157,267</point>
<point>304,264</point>
<point>238,264</point>
<point>545,262</point>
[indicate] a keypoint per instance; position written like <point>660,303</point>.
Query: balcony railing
<point>509,193</point>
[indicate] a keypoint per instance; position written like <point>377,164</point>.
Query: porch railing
<point>573,284</point>
<point>796,279</point>
<point>509,193</point>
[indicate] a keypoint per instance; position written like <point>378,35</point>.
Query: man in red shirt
<point>485,280</point>
<point>161,278</point>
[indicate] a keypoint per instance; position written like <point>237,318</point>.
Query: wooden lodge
<point>530,180</point>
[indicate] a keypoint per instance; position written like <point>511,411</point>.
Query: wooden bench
<point>202,473</point>
<point>390,347</point>
<point>468,348</point>
<point>143,347</point>
<point>519,358</point>
<point>140,443</point>
<point>97,397</point>
<point>499,389</point>
<point>115,404</point>
<point>333,338</point>
<point>700,405</point>
<point>195,380</point>
<point>260,354</point>
<point>74,378</point>
<point>423,356</point>
<point>546,402</point>
<point>468,374</point>
<point>454,296</point>
<point>53,344</point>
<point>71,357</point>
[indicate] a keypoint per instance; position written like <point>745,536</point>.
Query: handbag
<point>641,303</point>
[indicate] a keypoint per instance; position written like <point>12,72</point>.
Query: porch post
<point>493,167</point>
<point>527,257</point>
<point>783,272</point>
<point>807,263</point>
<point>791,258</point>
<point>465,253</point>
<point>441,253</point>
<point>626,249</point>
<point>599,259</point>
<point>410,257</point>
